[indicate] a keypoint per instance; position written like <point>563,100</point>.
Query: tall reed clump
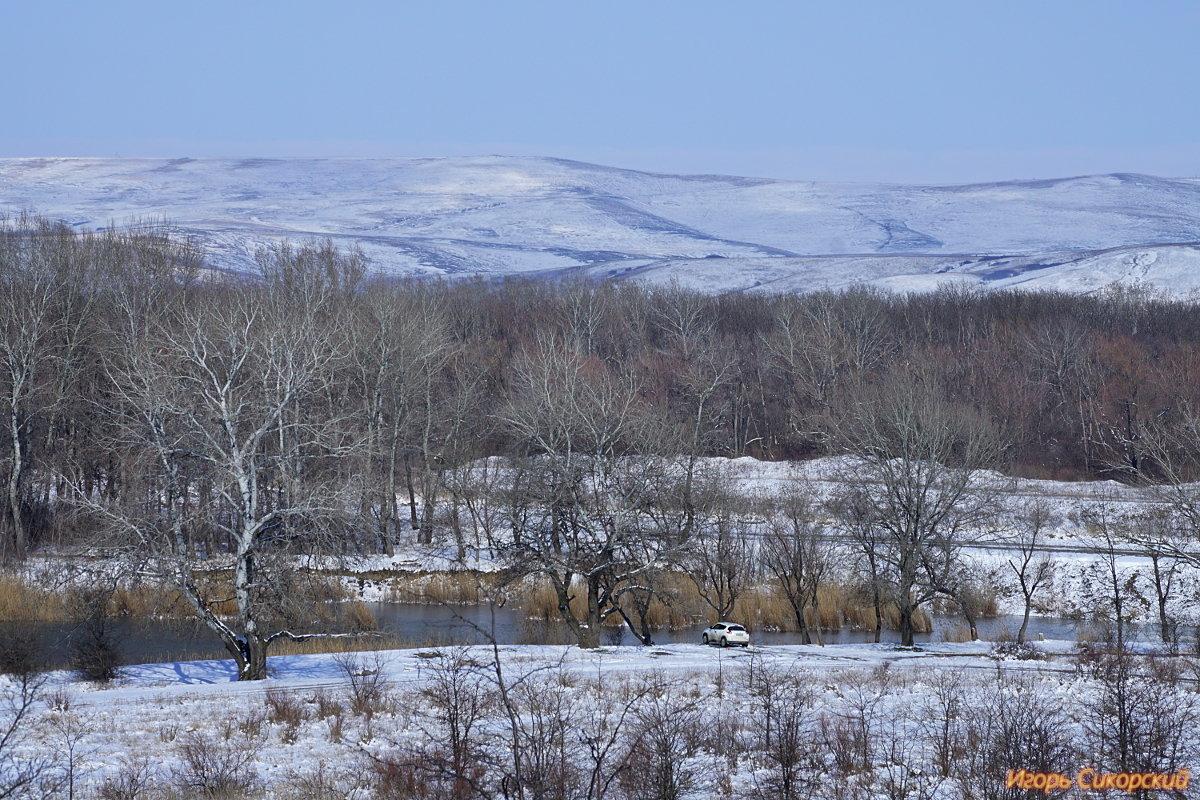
<point>21,601</point>
<point>677,604</point>
<point>340,644</point>
<point>438,587</point>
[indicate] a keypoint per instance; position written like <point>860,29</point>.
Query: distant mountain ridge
<point>542,216</point>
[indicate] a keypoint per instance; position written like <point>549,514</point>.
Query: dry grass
<point>359,617</point>
<point>762,607</point>
<point>439,587</point>
<point>538,601</point>
<point>341,644</point>
<point>21,601</point>
<point>958,632</point>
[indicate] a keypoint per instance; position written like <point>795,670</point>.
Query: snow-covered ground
<point>499,216</point>
<point>300,727</point>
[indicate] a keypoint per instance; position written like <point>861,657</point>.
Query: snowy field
<point>536,216</point>
<point>323,726</point>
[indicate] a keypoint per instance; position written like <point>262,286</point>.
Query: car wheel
<point>705,637</point>
<point>724,642</point>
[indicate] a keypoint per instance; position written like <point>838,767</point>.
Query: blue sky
<point>925,91</point>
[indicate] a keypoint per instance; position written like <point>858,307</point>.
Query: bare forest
<point>159,412</point>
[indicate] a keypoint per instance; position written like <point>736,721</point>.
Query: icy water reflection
<point>415,625</point>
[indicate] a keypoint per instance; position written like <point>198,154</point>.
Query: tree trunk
<point>642,634</point>
<point>1164,622</point>
<point>252,666</point>
<point>1024,624</point>
<point>589,637</point>
<point>816,607</point>
<point>906,623</point>
<point>14,491</point>
<point>969,615</point>
<point>802,625</point>
<point>429,484</point>
<point>412,495</point>
<point>878,602</point>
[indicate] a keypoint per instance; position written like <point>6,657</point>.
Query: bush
<point>214,769</point>
<point>20,651</point>
<point>369,687</point>
<point>284,707</point>
<point>134,780</point>
<point>1017,651</point>
<point>94,648</point>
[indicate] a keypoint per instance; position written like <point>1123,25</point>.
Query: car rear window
<point>736,628</point>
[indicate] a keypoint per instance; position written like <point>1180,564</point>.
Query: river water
<point>416,625</point>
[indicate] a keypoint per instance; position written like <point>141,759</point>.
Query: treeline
<point>110,339</point>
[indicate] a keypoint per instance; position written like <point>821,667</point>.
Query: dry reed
<point>439,587</point>
<point>679,605</point>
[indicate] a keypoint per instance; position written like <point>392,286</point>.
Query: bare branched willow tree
<point>230,401</point>
<point>798,554</point>
<point>916,481</point>
<point>587,486</point>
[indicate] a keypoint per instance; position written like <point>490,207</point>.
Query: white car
<point>726,634</point>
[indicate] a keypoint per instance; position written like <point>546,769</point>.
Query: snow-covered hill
<point>496,215</point>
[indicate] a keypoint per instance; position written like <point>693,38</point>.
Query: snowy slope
<point>497,215</point>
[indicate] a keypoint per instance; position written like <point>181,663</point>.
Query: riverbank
<point>326,726</point>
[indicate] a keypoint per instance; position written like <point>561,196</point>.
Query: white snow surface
<point>154,709</point>
<point>538,216</point>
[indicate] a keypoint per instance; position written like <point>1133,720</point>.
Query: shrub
<point>94,647</point>
<point>369,686</point>
<point>20,651</point>
<point>135,779</point>
<point>283,707</point>
<point>215,769</point>
<point>1017,651</point>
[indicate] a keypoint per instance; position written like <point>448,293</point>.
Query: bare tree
<point>854,518</point>
<point>39,264</point>
<point>970,587</point>
<point>1118,598</point>
<point>1164,566</point>
<point>800,557</point>
<point>663,736</point>
<point>822,346</point>
<point>25,767</point>
<point>1017,726</point>
<point>460,699</point>
<point>721,560</point>
<point>784,726</point>
<point>227,403</point>
<point>1170,534</point>
<point>1138,720</point>
<point>1032,566</point>
<point>917,480</point>
<point>583,489</point>
<point>419,401</point>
